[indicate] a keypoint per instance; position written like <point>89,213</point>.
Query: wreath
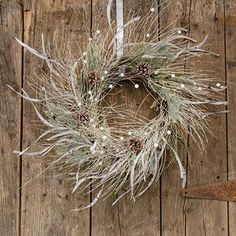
<point>103,145</point>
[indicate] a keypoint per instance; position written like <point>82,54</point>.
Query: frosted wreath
<point>102,145</point>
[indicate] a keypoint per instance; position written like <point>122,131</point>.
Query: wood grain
<point>10,116</point>
<point>230,33</point>
<point>43,206</point>
<point>105,217</point>
<point>46,200</point>
<point>127,217</point>
<point>208,217</point>
<point>173,204</point>
<point>141,217</point>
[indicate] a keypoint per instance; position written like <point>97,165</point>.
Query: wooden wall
<point>42,207</point>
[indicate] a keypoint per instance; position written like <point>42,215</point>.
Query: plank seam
<point>161,179</point>
<point>1,14</point>
<point>119,47</point>
<point>91,193</point>
<point>188,138</point>
<point>21,122</point>
<point>226,115</point>
<point>118,214</point>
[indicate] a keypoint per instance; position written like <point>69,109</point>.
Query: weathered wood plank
<point>173,215</point>
<point>230,30</point>
<point>208,217</point>
<point>104,217</point>
<point>127,217</point>
<point>46,205</point>
<point>47,201</point>
<point>141,217</point>
<point>10,116</point>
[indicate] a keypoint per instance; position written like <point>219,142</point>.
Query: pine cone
<point>143,69</point>
<point>164,106</point>
<point>82,117</point>
<point>93,78</point>
<point>135,145</point>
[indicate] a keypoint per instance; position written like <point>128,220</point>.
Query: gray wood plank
<point>47,200</point>
<point>230,27</point>
<point>203,216</point>
<point>141,217</point>
<point>10,116</point>
<point>105,218</point>
<point>173,204</point>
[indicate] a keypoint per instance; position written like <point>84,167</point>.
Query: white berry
<point>105,72</point>
<point>129,133</point>
<point>168,132</point>
<point>122,75</point>
<point>121,138</point>
<point>199,88</point>
<point>218,85</point>
<point>148,35</point>
<point>136,86</point>
<point>104,137</point>
<point>152,9</point>
<point>98,31</point>
<point>182,86</point>
<point>172,75</point>
<point>89,92</point>
<point>110,86</point>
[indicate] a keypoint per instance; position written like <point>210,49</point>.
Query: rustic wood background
<point>42,208</point>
